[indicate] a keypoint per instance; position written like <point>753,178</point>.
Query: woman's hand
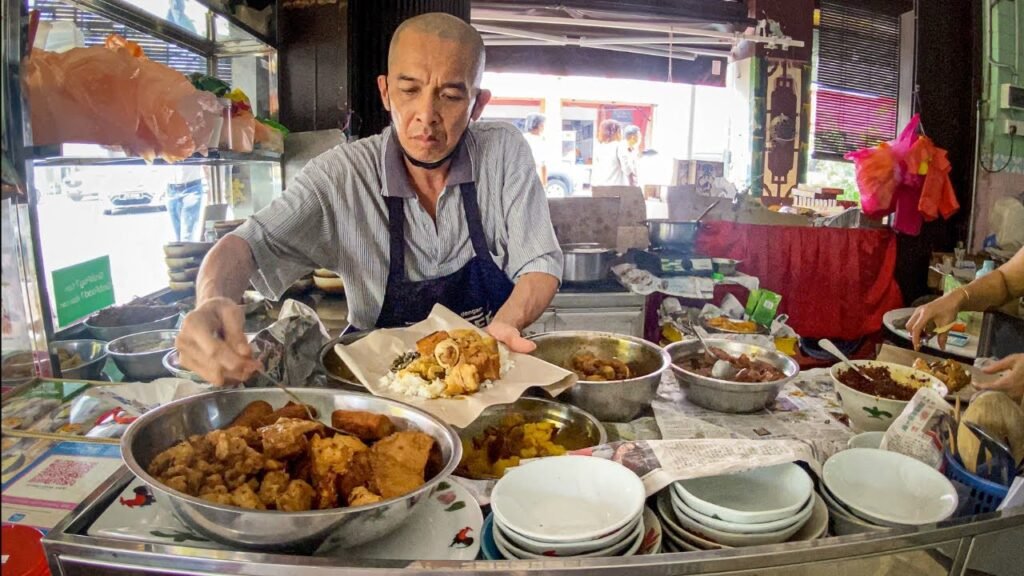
<point>935,313</point>
<point>1012,382</point>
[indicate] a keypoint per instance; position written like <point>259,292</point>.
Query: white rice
<point>412,385</point>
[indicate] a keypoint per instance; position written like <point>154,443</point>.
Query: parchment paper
<point>370,359</point>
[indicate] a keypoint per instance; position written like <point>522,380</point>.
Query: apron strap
<point>396,231</point>
<point>473,219</point>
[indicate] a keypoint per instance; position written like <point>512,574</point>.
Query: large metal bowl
<point>614,400</point>
<point>171,423</point>
<point>111,333</point>
<point>725,395</point>
<point>92,352</point>
<point>335,368</point>
<point>577,428</point>
<point>140,356</point>
<point>672,234</point>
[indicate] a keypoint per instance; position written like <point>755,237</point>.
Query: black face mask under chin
<point>426,165</point>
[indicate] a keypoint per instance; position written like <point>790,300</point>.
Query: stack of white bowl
<point>761,506</point>
<point>574,506</point>
<point>869,490</point>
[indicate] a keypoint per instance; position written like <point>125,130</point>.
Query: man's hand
<point>1012,382</point>
<point>509,335</point>
<point>212,343</point>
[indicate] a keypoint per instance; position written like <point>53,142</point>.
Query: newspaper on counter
<point>693,287</point>
<point>370,360</point>
<point>913,432</point>
<point>289,349</point>
<point>661,462</point>
<point>806,409</point>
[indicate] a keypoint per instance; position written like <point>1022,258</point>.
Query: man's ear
<point>481,101</point>
<point>382,86</point>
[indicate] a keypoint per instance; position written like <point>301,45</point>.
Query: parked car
<point>121,187</point>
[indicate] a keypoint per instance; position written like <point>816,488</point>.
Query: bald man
<point>437,209</point>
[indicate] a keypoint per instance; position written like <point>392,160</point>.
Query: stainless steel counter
<point>990,542</point>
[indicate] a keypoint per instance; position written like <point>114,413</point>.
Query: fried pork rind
<point>287,437</point>
<point>361,496</point>
<point>245,497</point>
<point>479,350</point>
<point>331,458</point>
<point>272,487</point>
<point>399,463</point>
<point>298,497</point>
<point>366,426</point>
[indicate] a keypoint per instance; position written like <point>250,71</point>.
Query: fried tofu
<point>399,463</point>
<point>425,346</point>
<point>358,475</point>
<point>297,497</point>
<point>330,458</point>
<point>287,437</point>
<point>361,496</point>
<point>289,410</point>
<point>366,426</point>
<point>252,414</point>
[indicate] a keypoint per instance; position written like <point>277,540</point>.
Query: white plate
<point>762,528</point>
<point>567,499</point>
<point>866,440</point>
<point>631,542</point>
<point>447,527</point>
<point>567,548</point>
<point>889,488</point>
<point>968,350</point>
<point>754,496</point>
<point>731,538</point>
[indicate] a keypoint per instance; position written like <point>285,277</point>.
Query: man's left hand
<point>510,336</point>
<point>1012,381</point>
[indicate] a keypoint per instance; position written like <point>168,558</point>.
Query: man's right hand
<point>212,343</point>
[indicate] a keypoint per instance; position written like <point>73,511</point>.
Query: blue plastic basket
<point>984,496</point>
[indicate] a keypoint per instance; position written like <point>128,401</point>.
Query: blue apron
<point>475,292</point>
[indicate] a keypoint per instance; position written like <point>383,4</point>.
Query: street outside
<point>73,232</point>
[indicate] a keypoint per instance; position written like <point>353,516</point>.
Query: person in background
<point>631,134</point>
<point>176,15</point>
<point>610,161</point>
<point>534,134</point>
<point>990,291</point>
<point>184,201</point>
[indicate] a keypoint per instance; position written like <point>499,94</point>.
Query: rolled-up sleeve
<point>294,234</point>
<point>532,246</point>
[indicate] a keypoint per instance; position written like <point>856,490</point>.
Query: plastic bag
<point>115,96</point>
<point>880,170</point>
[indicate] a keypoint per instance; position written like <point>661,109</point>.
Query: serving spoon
<point>722,368</point>
<point>295,398</point>
<point>831,348</point>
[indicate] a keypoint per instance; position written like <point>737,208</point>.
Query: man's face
<point>430,93</point>
<point>632,140</point>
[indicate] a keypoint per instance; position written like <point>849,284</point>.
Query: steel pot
<point>672,234</point>
<point>586,262</point>
<point>335,368</point>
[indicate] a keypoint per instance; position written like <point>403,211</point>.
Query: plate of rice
<point>448,364</point>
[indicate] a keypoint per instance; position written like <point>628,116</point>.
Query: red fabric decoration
<point>834,282</point>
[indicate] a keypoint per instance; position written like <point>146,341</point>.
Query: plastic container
<point>982,496</point>
<point>986,267</point>
<point>23,551</point>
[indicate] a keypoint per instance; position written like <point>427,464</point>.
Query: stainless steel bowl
<point>167,425</point>
<point>614,400</point>
<point>577,428</point>
<point>586,262</point>
<point>92,352</point>
<point>670,233</point>
<point>140,356</point>
<point>725,266</point>
<point>111,333</point>
<point>172,363</point>
<point>335,368</point>
<point>725,395</point>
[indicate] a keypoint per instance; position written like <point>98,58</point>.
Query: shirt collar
<point>396,178</point>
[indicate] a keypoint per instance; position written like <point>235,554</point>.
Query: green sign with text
<point>82,289</point>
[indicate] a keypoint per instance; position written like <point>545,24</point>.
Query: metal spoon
<point>829,347</point>
<point>300,402</point>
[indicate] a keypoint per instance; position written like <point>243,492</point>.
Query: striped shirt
<point>334,216</point>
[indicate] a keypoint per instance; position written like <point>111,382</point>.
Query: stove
<point>606,285</point>
<point>667,262</point>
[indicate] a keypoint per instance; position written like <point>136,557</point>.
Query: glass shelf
<point>45,156</point>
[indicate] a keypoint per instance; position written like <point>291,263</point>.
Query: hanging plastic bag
<point>880,170</point>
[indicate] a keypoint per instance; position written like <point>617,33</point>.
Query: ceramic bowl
<point>866,440</point>
<point>508,545</point>
<point>843,521</point>
<point>569,548</point>
<point>725,526</point>
<point>872,413</point>
<point>675,531</point>
<point>732,538</point>
<point>750,497</point>
<point>889,488</point>
<point>567,499</point>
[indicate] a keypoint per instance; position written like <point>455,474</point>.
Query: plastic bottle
<point>986,267</point>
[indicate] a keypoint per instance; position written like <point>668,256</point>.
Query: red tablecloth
<point>834,282</point>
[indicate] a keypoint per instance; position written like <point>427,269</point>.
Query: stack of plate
<point>868,490</point>
<point>183,260</point>
<point>570,506</point>
<point>761,506</point>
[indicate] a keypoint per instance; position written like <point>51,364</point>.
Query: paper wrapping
<point>370,360</point>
